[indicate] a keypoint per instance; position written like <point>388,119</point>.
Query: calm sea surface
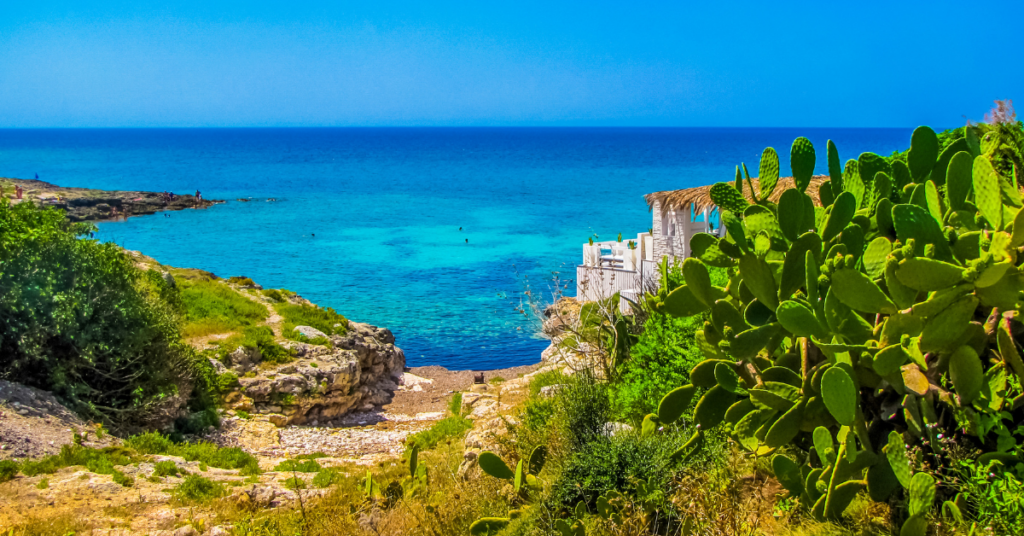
<point>386,206</point>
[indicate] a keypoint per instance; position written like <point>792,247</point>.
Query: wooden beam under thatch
<point>700,196</point>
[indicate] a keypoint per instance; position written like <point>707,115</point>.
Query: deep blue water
<point>386,206</point>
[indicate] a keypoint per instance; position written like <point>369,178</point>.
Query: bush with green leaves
<point>299,466</point>
<point>323,319</point>
<point>865,329</point>
<point>8,470</point>
<point>198,489</point>
<point>79,319</point>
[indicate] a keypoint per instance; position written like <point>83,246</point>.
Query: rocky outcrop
<point>358,370</point>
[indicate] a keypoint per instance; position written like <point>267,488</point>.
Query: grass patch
<point>8,469</point>
<point>298,466</point>
<point>43,484</point>
<point>545,379</point>
<point>275,295</point>
<point>261,338</point>
<point>455,404</point>
<point>197,488</point>
<point>295,483</point>
<point>496,380</point>
<point>201,451</point>
<point>166,468</point>
<point>450,428</point>
<point>212,307</point>
<point>100,461</point>
<point>327,477</point>
<point>325,320</point>
<point>242,280</point>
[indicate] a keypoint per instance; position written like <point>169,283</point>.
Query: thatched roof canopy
<point>700,199</point>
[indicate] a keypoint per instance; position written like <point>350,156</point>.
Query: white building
<point>616,266</point>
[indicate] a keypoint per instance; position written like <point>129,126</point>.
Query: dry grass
<point>700,196</point>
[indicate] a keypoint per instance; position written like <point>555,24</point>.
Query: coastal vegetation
<point>845,360</point>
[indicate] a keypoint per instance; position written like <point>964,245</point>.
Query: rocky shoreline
<point>89,205</point>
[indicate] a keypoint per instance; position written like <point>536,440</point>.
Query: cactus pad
<point>860,293</point>
<point>796,214</point>
<point>840,395</point>
<point>801,159</point>
<point>785,428</point>
<point>788,473</point>
<point>987,192</point>
<point>758,277</point>
<point>875,256</point>
<point>494,466</point>
<point>924,150</point>
<point>922,493</point>
<point>966,373</point>
<point>705,247</point>
<point>835,168</point>
<point>681,302</point>
<point>915,526</point>
<point>488,526</point>
<point>712,407</point>
<point>675,403</point>
<point>768,173</point>
<point>537,459</point>
<point>727,198</point>
<point>799,320</point>
<point>959,182</point>
<point>698,281</point>
<point>843,210</point>
<point>926,274</point>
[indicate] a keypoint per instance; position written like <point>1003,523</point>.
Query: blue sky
<point>389,63</point>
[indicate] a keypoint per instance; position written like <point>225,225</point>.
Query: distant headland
<point>86,204</point>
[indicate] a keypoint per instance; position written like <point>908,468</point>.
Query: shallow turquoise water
<point>386,206</point>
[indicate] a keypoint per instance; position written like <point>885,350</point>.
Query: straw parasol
<point>700,196</point>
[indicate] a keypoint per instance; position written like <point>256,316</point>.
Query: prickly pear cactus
<point>887,320</point>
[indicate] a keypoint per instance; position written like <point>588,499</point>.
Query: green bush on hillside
<point>257,337</point>
<point>213,307</point>
<point>323,319</point>
<point>79,319</point>
<point>198,489</point>
<point>659,362</point>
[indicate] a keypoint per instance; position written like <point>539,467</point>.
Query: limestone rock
<point>310,332</point>
<point>362,370</point>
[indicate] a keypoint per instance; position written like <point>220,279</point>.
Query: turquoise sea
<point>386,207</point>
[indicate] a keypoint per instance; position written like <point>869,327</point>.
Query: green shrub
<point>242,281</point>
<point>299,466</point>
<point>150,443</point>
<point>257,337</point>
<point>243,414</point>
<point>615,463</point>
<point>583,409</point>
<point>213,307</point>
<point>112,356</point>
<point>455,404</point>
<point>227,382</point>
<point>545,379</point>
<point>195,488</point>
<point>996,493</point>
<point>537,413</point>
<point>448,428</point>
<point>294,483</point>
<point>659,362</point>
<point>123,479</point>
<point>313,316</point>
<point>496,380</point>
<point>204,452</point>
<point>327,477</point>
<point>100,461</point>
<point>8,470</point>
<point>166,468</point>
<point>44,483</point>
<point>275,295</point>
